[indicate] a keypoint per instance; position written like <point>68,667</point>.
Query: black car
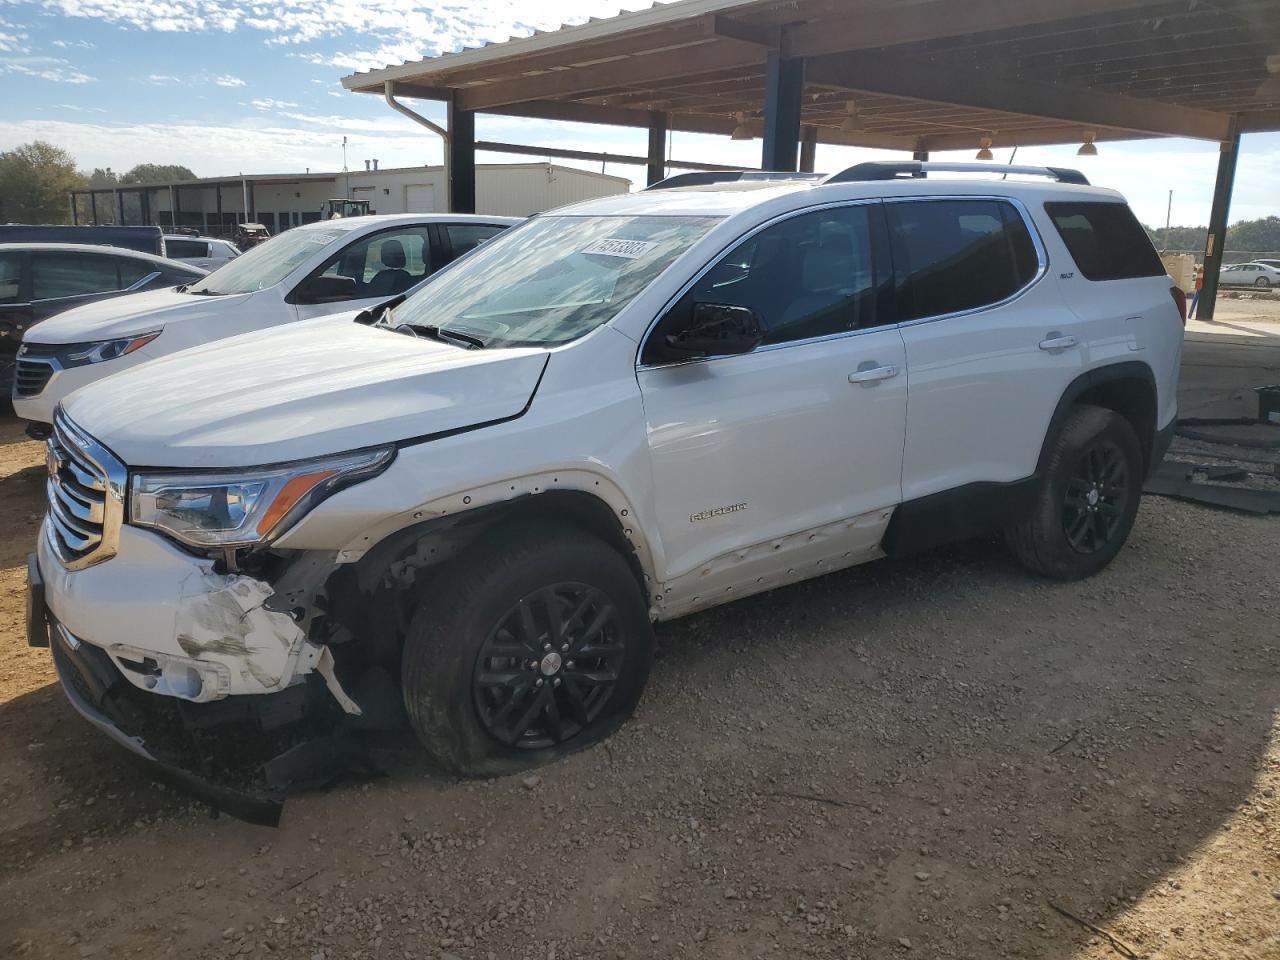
<point>38,280</point>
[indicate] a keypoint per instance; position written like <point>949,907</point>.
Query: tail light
<point>1180,298</point>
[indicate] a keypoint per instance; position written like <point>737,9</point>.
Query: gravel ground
<point>940,757</point>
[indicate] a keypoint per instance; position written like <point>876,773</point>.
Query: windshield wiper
<point>447,336</point>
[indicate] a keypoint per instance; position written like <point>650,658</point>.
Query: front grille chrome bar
<point>85,492</point>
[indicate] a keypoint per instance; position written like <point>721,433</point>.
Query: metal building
<point>214,205</point>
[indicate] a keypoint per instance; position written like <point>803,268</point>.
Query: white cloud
<point>396,32</point>
<point>162,78</point>
<point>226,80</point>
<point>13,39</point>
<point>77,44</point>
<point>269,149</point>
<point>267,103</point>
<point>52,69</point>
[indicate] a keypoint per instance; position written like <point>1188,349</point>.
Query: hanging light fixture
<point>984,149</point>
<point>852,120</point>
<point>741,131</point>
<point>1269,89</point>
<point>1088,148</point>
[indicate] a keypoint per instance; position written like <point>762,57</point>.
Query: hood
<point>300,391</point>
<point>127,315</point>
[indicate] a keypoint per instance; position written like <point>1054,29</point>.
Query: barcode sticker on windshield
<point>627,249</point>
<point>320,239</point>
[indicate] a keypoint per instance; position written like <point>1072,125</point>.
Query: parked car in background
<point>208,253</point>
<point>251,234</point>
<point>310,271</point>
<point>620,412</point>
<point>142,239</point>
<point>38,280</point>
<point>1267,262</point>
<point>1249,275</point>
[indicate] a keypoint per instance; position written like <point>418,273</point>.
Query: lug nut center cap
<point>1092,497</point>
<point>550,664</point>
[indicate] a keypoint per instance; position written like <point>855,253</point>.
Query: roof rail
<point>893,169</point>
<point>702,178</point>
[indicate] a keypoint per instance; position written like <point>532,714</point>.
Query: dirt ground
<point>941,757</point>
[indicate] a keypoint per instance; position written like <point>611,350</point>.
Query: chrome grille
<point>31,377</point>
<point>86,496</point>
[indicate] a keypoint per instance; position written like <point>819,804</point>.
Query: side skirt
<point>974,510</point>
<point>774,563</point>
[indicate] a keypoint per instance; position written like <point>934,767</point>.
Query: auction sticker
<point>626,249</point>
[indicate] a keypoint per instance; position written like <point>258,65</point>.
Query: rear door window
<point>1105,240</point>
<point>55,275</point>
<point>131,271</point>
<point>951,256</point>
<point>465,237</point>
<point>180,249</point>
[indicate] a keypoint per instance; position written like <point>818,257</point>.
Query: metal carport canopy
<point>912,75</point>
<point>925,74</point>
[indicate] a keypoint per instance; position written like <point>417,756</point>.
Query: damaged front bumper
<point>194,672</point>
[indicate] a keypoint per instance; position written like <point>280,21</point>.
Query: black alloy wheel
<point>1096,497</point>
<point>550,666</point>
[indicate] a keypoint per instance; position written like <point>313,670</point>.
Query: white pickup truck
<point>617,413</point>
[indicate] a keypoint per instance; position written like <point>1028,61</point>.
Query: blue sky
<point>231,86</point>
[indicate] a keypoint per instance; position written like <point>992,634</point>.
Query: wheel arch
<point>1127,388</point>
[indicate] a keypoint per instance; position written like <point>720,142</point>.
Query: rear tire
<point>1087,498</point>
<point>534,644</point>
<point>1262,282</point>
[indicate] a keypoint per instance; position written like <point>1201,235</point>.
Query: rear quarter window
<point>1105,240</point>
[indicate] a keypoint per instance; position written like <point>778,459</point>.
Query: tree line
<point>1246,236</point>
<point>37,178</point>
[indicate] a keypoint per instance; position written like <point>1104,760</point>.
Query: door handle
<point>874,374</point>
<point>1057,341</point>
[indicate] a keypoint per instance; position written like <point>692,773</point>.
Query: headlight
<point>105,349</point>
<point>244,507</point>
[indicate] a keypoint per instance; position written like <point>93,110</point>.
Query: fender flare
<point>1110,373</point>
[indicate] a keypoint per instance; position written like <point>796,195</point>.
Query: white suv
<point>616,413</point>
<point>310,271</point>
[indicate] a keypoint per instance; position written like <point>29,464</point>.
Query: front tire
<point>534,644</point>
<point>1087,498</point>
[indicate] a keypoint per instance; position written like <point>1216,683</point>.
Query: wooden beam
<point>526,150</point>
<point>649,68</point>
<point>1259,121</point>
<point>900,23</point>
<point>718,25</point>
<point>896,76</point>
<point>1039,137</point>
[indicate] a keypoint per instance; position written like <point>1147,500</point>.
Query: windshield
<point>266,264</point>
<point>552,280</point>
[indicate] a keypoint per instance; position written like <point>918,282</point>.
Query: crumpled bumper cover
<point>241,755</point>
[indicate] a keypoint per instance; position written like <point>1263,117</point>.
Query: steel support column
<point>93,206</point>
<point>1216,243</point>
<point>461,159</point>
<point>808,149</point>
<point>120,208</point>
<point>657,166</point>
<point>75,214</point>
<point>217,193</point>
<point>783,89</point>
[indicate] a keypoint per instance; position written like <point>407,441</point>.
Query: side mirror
<point>716,329</point>
<point>325,290</point>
